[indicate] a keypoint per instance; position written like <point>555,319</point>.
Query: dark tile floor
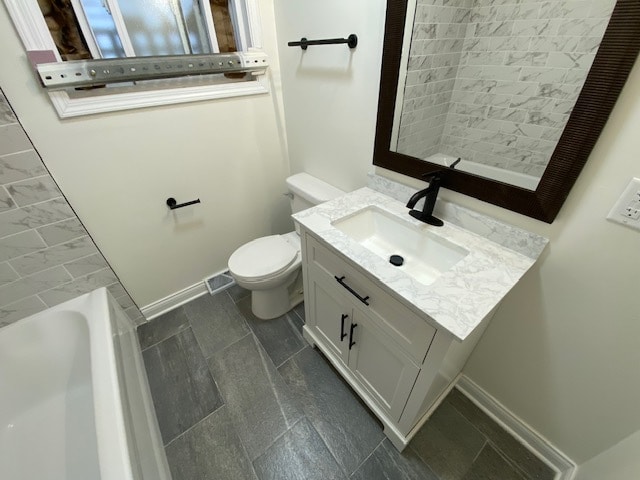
<point>241,398</point>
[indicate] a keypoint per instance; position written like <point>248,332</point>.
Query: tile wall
<point>523,64</point>
<point>46,256</point>
<point>436,49</point>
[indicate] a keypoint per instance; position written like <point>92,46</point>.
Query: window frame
<point>34,33</point>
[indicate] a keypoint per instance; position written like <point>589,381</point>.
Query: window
<point>86,29</point>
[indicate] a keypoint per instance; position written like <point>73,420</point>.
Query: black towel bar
<point>351,41</point>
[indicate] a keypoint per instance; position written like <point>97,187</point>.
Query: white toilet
<point>270,266</point>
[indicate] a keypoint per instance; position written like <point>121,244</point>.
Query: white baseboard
<point>174,300</point>
<point>524,433</point>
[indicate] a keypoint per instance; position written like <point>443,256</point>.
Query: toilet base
<point>275,302</point>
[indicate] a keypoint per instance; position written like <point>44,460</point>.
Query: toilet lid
<point>262,258</point>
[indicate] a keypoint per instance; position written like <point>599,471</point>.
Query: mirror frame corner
<point>611,67</point>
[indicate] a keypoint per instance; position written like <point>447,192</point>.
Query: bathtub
<point>494,173</point>
<point>74,398</point>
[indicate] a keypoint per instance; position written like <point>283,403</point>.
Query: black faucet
<point>430,194</point>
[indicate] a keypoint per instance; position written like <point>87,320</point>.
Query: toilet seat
<point>262,258</point>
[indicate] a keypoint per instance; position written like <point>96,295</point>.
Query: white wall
<point>118,169</point>
<point>331,96</point>
<point>620,462</point>
<point>561,352</point>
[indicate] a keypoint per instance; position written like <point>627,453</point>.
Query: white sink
<point>426,255</point>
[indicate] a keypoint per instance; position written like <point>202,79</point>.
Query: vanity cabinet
<point>398,362</point>
<point>351,335</point>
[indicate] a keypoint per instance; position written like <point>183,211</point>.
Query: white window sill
<point>75,106</point>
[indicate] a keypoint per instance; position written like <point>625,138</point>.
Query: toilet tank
<point>308,191</point>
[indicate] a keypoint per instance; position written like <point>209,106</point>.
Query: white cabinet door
<point>380,366</point>
<point>330,319</point>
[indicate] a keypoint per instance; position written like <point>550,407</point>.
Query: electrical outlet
<point>627,209</point>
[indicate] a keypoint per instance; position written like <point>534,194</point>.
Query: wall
<point>331,100</point>
<point>561,352</point>
<point>46,256</point>
<point>539,50</point>
<point>118,169</point>
<point>620,462</point>
<point>434,57</point>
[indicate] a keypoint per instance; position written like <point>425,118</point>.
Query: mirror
<point>518,91</point>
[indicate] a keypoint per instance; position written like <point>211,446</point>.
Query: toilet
<point>270,267</point>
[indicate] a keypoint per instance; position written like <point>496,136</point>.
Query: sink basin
<point>426,255</point>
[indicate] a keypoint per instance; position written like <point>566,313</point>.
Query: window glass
<point>104,29</point>
<point>195,25</point>
<point>155,27</point>
<point>146,27</point>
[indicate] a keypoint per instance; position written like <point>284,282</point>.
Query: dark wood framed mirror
<point>611,66</point>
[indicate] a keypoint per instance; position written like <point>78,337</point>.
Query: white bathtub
<point>494,173</point>
<point>74,398</point>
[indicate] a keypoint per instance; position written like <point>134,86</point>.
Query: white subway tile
<point>117,290</point>
<point>63,292</point>
<point>602,8</point>
<point>495,29</point>
<point>20,244</point>
<point>13,139</point>
<point>6,202</point>
<point>543,74</point>
<point>125,302</point>
<point>6,114</point>
<point>7,274</point>
<point>570,60</point>
<point>84,266</point>
<point>33,216</point>
<point>56,233</point>
<point>20,309</point>
<point>34,190</point>
<point>19,166</point>
<point>52,256</point>
<point>583,27</point>
<point>33,284</point>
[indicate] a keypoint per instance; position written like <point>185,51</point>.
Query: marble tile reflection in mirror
<point>493,82</point>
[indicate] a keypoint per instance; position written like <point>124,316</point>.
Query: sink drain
<point>396,260</point>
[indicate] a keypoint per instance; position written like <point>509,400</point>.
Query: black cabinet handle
<point>351,342</point>
<point>342,334</point>
<point>340,280</point>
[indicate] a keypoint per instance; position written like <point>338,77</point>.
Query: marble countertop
<point>460,298</point>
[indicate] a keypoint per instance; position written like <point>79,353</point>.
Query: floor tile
<point>346,426</point>
<point>258,399</point>
<point>300,420</point>
<point>210,450</point>
<point>299,309</point>
<point>299,454</point>
<point>237,293</point>
<point>216,322</point>
<point>491,466</point>
<point>531,466</point>
<point>448,443</point>
<point>386,463</point>
<point>279,337</point>
<point>163,327</point>
<point>298,318</point>
<point>181,385</point>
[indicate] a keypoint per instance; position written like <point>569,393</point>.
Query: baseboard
<point>174,300</point>
<point>524,433</point>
